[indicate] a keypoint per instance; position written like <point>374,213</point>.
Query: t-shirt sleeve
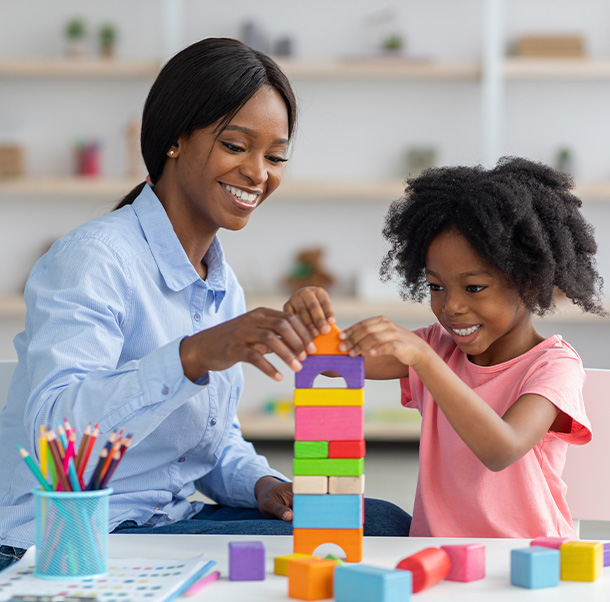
<point>560,379</point>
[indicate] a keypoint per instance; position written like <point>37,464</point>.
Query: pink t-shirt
<point>457,496</point>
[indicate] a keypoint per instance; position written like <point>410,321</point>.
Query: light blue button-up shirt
<point>107,307</point>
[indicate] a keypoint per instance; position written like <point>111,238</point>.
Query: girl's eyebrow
<point>463,274</point>
<point>253,134</point>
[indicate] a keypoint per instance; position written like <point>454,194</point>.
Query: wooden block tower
<point>329,452</point>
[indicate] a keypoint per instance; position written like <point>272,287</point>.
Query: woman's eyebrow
<point>253,134</point>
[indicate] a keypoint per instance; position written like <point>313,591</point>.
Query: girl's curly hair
<point>520,217</point>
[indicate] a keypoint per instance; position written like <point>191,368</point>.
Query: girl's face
<point>218,181</point>
<point>475,304</point>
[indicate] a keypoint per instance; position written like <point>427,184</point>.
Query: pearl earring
<point>171,153</point>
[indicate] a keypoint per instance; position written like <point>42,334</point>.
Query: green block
<point>344,467</point>
<point>311,449</point>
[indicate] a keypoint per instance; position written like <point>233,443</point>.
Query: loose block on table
<point>328,397</point>
<point>428,566</point>
<point>581,560</point>
<point>311,449</point>
<point>246,561</point>
<point>362,583</point>
<point>311,578</point>
<point>280,563</point>
<point>347,485</point>
<point>346,449</point>
<point>310,484</point>
<point>345,467</point>
<point>350,368</point>
<point>349,540</point>
<point>534,567</point>
<point>467,562</point>
<point>327,511</point>
<point>606,549</point>
<point>328,423</point>
<point>549,542</point>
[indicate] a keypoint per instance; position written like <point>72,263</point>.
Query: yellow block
<point>328,397</point>
<point>280,563</point>
<point>581,560</point>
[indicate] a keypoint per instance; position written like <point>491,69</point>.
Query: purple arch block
<point>350,368</point>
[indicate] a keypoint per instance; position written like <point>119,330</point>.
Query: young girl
<point>500,404</point>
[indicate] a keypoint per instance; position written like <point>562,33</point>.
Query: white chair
<point>586,472</point>
<point>7,367</point>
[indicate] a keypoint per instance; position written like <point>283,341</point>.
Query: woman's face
<point>219,180</point>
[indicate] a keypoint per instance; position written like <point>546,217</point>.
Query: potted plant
<point>108,37</point>
<point>75,33</point>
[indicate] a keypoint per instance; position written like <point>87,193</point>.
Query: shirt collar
<point>171,259</point>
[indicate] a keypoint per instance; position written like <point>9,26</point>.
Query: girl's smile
<point>475,303</point>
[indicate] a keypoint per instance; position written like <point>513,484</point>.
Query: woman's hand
<point>247,338</point>
<point>274,498</point>
<point>312,305</point>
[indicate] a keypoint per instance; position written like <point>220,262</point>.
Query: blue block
<point>535,567</point>
<point>327,511</point>
<point>362,583</point>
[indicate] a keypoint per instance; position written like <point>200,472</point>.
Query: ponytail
<point>131,196</point>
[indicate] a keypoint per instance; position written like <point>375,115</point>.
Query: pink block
<point>467,562</point>
<point>549,542</point>
<point>326,423</point>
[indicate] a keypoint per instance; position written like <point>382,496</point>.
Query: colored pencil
<point>34,468</point>
<point>62,441</point>
<point>69,450</point>
<point>61,475</point>
<point>125,444</point>
<point>191,591</point>
<point>114,462</point>
<point>43,451</point>
<point>94,481</point>
<point>72,475</point>
<point>88,450</point>
<point>82,446</point>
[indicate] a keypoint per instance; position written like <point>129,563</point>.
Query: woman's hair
<point>519,216</point>
<point>206,83</point>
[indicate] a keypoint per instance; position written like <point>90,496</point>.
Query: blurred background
<point>386,88</point>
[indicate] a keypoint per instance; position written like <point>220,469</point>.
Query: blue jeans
<point>381,518</point>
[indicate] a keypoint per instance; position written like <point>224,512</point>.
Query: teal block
<point>327,511</point>
<point>362,583</point>
<point>535,567</point>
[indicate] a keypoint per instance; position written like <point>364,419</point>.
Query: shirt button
<point>197,317</point>
<point>165,390</point>
<point>157,508</point>
<point>213,422</point>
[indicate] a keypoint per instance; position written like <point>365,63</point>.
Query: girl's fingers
<point>313,306</point>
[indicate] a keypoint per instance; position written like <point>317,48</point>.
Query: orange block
<point>328,344</point>
<point>311,578</point>
<point>349,540</point>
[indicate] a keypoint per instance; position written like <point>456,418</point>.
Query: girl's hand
<point>380,336</point>
<point>248,338</point>
<point>312,305</point>
<point>274,498</point>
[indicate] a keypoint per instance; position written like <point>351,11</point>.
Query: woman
<point>135,321</point>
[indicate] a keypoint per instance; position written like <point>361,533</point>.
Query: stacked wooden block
<point>329,447</point>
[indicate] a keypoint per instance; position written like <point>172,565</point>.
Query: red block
<point>428,566</point>
<point>346,449</point>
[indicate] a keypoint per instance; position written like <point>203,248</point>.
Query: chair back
<point>7,367</point>
<point>585,472</point>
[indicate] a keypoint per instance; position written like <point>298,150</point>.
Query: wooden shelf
<point>78,67</point>
<point>386,191</point>
<point>545,69</point>
<point>381,68</point>
<point>267,427</point>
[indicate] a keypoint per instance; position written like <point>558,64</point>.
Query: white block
<point>312,485</point>
<point>343,485</point>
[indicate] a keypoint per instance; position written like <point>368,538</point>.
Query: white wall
<point>348,130</point>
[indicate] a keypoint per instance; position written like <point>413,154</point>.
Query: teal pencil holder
<point>71,534</point>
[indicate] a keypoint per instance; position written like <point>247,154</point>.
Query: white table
<point>379,551</point>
